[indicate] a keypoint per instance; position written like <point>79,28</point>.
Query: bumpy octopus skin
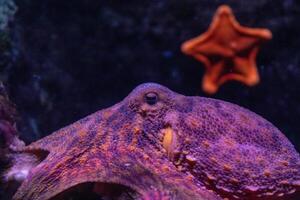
<point>165,145</point>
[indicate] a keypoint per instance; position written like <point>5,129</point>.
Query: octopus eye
<point>151,98</point>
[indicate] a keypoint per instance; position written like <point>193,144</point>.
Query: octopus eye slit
<point>151,98</point>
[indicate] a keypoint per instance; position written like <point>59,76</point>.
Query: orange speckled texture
<point>216,146</point>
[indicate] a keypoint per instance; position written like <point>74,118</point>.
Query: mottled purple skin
<point>215,146</point>
<point>8,118</point>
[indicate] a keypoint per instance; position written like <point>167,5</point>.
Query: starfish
<point>227,50</point>
<point>163,145</point>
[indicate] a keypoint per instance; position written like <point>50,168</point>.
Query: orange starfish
<point>227,50</point>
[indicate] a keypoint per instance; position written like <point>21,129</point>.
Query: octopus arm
<point>53,176</point>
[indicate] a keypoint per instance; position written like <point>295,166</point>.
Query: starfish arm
<point>247,68</point>
<point>232,77</point>
<point>197,46</point>
<point>226,12</point>
<point>188,46</point>
<point>205,42</point>
<point>210,82</point>
<point>203,59</point>
<point>261,33</point>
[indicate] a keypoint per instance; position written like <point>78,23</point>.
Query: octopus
<point>161,145</point>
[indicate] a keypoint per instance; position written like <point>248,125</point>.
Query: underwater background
<point>62,60</point>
